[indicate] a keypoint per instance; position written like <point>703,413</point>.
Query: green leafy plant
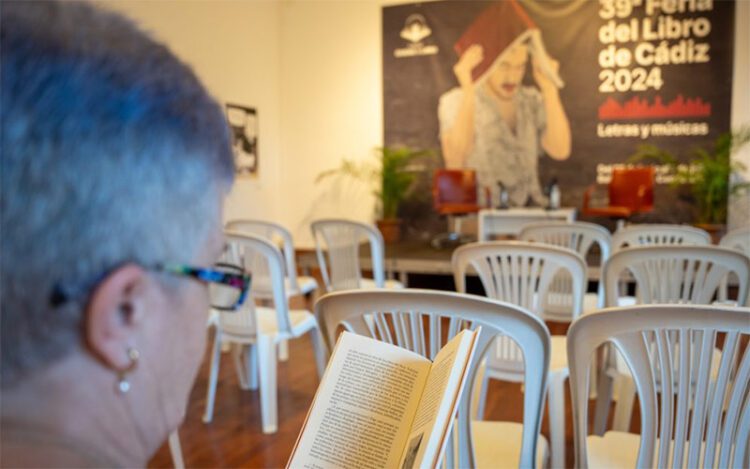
<point>708,173</point>
<point>391,175</point>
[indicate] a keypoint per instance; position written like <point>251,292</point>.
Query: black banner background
<point>412,86</point>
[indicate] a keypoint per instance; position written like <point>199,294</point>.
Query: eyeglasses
<point>228,284</point>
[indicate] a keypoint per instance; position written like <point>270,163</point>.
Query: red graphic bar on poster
<point>637,108</point>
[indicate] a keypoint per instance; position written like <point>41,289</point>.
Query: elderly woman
<point>115,162</point>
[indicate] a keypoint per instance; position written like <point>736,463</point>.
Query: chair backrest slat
<point>421,314</point>
<point>716,404</point>
<point>697,421</point>
<point>665,368</point>
<point>694,409</point>
<point>737,420</point>
<point>337,245</point>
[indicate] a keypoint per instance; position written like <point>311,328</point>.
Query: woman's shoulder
<point>448,107</point>
<point>450,97</point>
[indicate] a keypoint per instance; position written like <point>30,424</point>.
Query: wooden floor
<point>234,438</point>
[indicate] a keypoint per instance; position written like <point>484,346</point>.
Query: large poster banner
<point>530,91</point>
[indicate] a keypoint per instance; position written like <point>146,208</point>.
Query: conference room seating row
<point>543,275</point>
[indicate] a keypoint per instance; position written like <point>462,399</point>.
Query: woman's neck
<point>22,442</point>
<point>76,421</point>
<point>506,106</point>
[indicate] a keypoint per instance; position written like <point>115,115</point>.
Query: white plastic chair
<point>675,274</point>
<point>417,320</point>
<point>663,275</point>
<point>580,237</point>
<point>294,285</point>
<point>738,239</point>
<point>259,329</point>
<point>670,349</point>
<point>655,235</point>
<point>521,273</point>
<point>658,234</point>
<point>338,241</point>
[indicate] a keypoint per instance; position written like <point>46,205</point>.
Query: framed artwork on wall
<point>243,121</point>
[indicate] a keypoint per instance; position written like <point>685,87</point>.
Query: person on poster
<point>491,122</point>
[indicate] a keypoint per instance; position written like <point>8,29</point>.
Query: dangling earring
<point>123,385</point>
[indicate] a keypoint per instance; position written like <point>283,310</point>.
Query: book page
<point>363,408</point>
<point>439,402</point>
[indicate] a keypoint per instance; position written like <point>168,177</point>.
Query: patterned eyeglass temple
<point>237,279</point>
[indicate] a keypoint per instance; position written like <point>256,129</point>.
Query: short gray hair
<point>112,152</point>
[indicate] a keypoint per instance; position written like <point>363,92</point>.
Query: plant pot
<point>716,230</point>
<point>391,229</point>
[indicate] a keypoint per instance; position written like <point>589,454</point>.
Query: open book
<point>381,406</point>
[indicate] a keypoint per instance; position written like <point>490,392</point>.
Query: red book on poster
<point>495,28</point>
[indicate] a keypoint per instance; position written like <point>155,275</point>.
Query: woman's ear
<point>113,313</point>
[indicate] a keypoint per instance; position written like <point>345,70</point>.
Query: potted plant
<point>708,175</point>
<point>391,176</point>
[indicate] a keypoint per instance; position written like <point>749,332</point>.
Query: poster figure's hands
<point>471,57</point>
<point>543,81</point>
<point>556,140</point>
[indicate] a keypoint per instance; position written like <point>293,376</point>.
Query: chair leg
<point>239,365</point>
<point>556,404</point>
<point>251,366</point>
<point>283,350</point>
<point>267,372</point>
<point>624,408</point>
<point>321,355</point>
<point>213,377</point>
<point>176,450</point>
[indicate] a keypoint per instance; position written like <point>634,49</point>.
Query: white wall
<point>233,46</point>
<point>331,107</point>
<point>313,70</point>
<point>739,207</point>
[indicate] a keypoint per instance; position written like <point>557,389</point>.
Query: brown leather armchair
<point>454,194</point>
<point>631,191</point>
